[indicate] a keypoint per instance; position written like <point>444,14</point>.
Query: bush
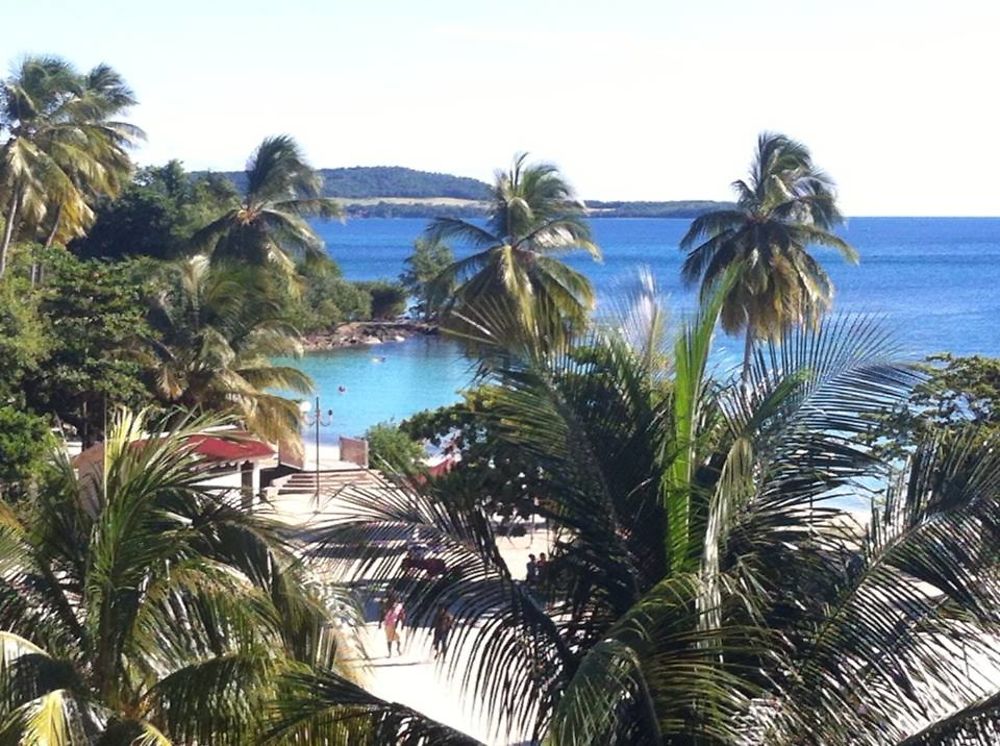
<point>25,442</point>
<point>388,298</point>
<point>390,448</point>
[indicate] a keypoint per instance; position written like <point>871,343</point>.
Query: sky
<point>659,100</point>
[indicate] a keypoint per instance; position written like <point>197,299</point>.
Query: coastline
<point>354,333</point>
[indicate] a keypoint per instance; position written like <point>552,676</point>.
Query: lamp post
<point>317,420</point>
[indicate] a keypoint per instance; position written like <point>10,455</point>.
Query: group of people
<point>537,570</point>
<point>393,617</point>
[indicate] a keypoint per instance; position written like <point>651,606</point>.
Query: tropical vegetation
<point>803,553</point>
<point>64,148</point>
<point>533,218</point>
<point>708,582</point>
<point>268,225</point>
<point>786,206</point>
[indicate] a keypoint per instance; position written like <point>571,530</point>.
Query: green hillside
<point>365,182</point>
<point>395,191</point>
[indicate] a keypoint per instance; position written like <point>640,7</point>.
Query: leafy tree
<point>390,447</point>
<point>156,215</point>
<point>269,225</point>
<point>388,298</point>
<point>786,206</point>
<point>92,363</point>
<point>533,217</point>
<point>506,480</point>
<point>323,298</point>
<point>65,147</point>
<point>217,334</point>
<point>955,394</point>
<point>24,342</point>
<point>140,607</point>
<point>423,267</point>
<point>25,443</point>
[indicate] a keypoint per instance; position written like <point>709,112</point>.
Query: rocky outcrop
<point>365,333</point>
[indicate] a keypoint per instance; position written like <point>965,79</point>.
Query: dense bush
<point>389,299</point>
<point>391,448</point>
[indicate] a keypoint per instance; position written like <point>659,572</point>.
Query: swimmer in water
<point>342,389</point>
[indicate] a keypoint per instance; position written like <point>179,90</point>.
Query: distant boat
<point>372,341</point>
<point>399,338</point>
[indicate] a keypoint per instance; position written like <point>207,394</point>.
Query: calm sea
<point>936,282</point>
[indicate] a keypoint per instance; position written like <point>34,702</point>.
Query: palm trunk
<point>747,355</point>
<point>8,231</point>
<point>55,227</point>
<point>36,266</point>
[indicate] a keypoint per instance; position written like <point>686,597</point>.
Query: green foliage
<point>957,393</point>
<point>269,224</point>
<point>423,267</point>
<point>506,480</point>
<point>156,215</point>
<point>94,338</point>
<point>388,181</point>
<point>24,341</point>
<point>388,299</point>
<point>706,583</point>
<point>786,206</point>
<point>533,217</point>
<point>218,331</point>
<point>65,146</point>
<point>322,298</point>
<point>390,447</point>
<point>25,444</point>
<point>138,606</point>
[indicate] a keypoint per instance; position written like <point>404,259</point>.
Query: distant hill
<point>365,182</point>
<point>395,191</point>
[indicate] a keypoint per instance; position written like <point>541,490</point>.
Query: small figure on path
<point>443,622</point>
<point>531,571</point>
<point>542,569</point>
<point>393,617</point>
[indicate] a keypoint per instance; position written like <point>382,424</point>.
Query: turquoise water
<point>935,281</point>
<point>384,382</point>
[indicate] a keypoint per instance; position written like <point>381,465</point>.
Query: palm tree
<point>139,606</point>
<point>786,206</point>
<point>64,147</point>
<point>218,333</point>
<point>707,585</point>
<point>533,218</point>
<point>269,224</point>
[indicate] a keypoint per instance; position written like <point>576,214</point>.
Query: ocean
<point>934,281</point>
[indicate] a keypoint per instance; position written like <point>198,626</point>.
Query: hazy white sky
<point>632,99</point>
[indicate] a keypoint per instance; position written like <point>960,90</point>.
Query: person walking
<point>393,617</point>
<point>443,622</point>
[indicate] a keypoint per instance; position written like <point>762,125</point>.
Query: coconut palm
<point>64,147</point>
<point>218,334</point>
<point>269,225</point>
<point>533,218</point>
<point>139,606</point>
<point>785,206</point>
<point>707,584</point>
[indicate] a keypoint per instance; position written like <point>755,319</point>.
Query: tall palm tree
<point>533,218</point>
<point>707,585</point>
<point>785,206</point>
<point>218,333</point>
<point>64,147</point>
<point>269,225</point>
<point>139,606</point>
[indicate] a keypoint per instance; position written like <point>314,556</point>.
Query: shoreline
<point>355,333</point>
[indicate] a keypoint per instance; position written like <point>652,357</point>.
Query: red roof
<point>236,445</point>
<point>228,449</point>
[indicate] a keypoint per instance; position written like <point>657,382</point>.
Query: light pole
<point>317,420</point>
